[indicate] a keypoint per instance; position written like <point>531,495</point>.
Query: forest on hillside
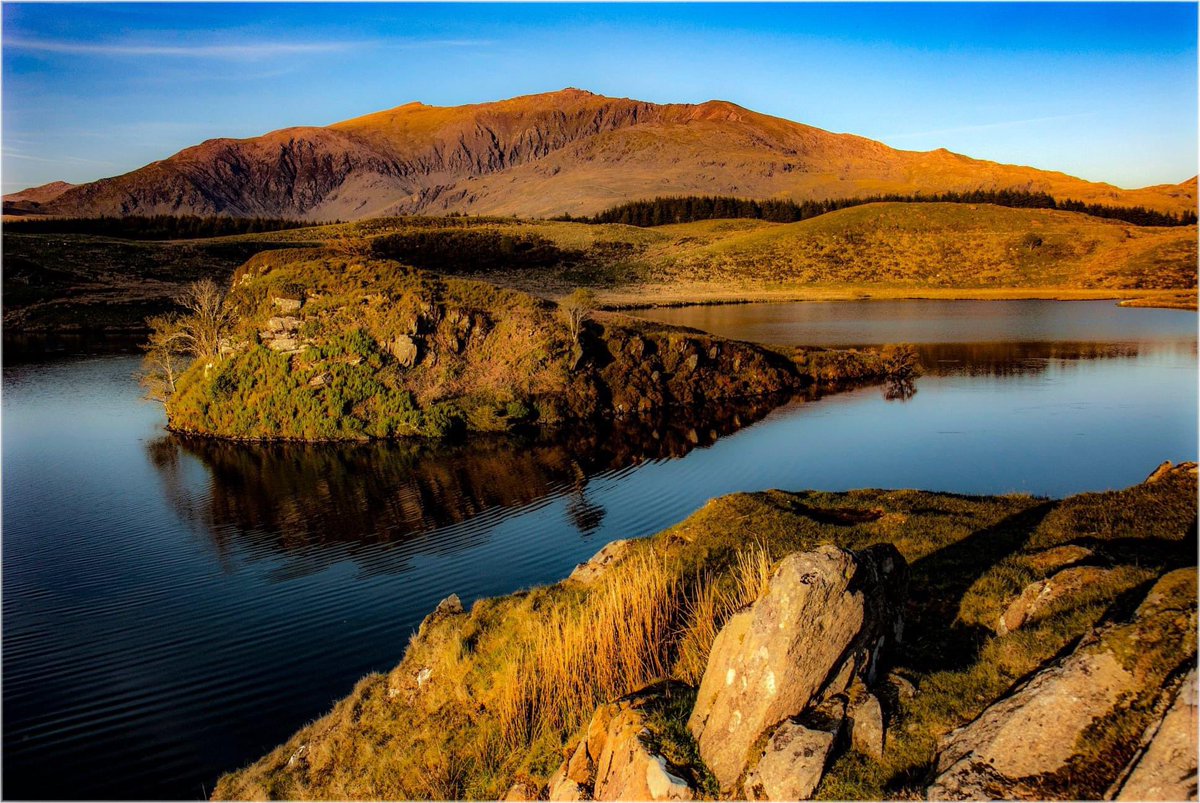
<point>688,208</point>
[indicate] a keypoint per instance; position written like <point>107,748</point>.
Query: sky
<point>1107,91</point>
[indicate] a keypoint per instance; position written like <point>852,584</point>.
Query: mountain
<point>542,155</point>
<point>29,201</point>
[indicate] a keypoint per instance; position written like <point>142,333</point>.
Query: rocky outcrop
<point>1058,557</point>
<point>282,334</point>
<point>1039,741</point>
<point>590,571</point>
<point>1040,598</point>
<point>614,760</point>
<point>1166,768</point>
<point>822,624</point>
<point>1167,469</point>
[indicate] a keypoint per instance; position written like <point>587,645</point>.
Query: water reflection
<point>1030,358</point>
<point>317,504</point>
<point>324,502</point>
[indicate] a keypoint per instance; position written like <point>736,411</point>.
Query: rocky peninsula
<point>312,344</point>
<point>789,646</point>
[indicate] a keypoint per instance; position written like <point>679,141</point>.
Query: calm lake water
<point>175,608</point>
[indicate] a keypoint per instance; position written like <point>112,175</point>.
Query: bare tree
<point>165,357</point>
<point>207,320</point>
<point>577,308</point>
<point>176,339</point>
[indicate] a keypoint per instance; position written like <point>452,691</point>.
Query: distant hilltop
<point>566,152</point>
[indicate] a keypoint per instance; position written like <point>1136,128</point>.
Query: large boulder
<point>1041,740</point>
<point>822,623</point>
<point>1166,769</point>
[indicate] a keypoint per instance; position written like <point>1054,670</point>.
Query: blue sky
<point>1103,91</point>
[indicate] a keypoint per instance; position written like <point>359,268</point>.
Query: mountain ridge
<point>565,152</point>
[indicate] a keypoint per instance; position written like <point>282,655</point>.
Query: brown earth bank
<point>787,646</point>
<point>543,155</point>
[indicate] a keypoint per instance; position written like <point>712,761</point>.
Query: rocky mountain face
<point>541,155</point>
<point>30,200</point>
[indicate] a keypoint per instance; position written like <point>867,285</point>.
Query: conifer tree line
<point>687,208</point>
<point>156,227</point>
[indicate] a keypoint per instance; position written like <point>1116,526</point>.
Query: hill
<point>76,281</point>
<point>29,201</point>
<point>542,155</point>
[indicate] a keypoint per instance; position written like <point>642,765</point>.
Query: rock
<point>1031,732</point>
<point>792,763</point>
<point>560,787</point>
<point>901,687</point>
<point>1167,469</point>
<point>628,770</point>
<point>1166,769</point>
<point>287,304</point>
<point>286,324</point>
<point>691,362</point>
<point>770,660</point>
<point>581,765</point>
<point>1030,737</point>
<point>1039,598</point>
<point>589,572</point>
<point>1049,560</point>
<point>284,344</point>
<point>866,726</point>
<point>521,791</point>
<point>404,350</point>
<point>449,607</point>
<point>320,380</point>
<point>612,760</point>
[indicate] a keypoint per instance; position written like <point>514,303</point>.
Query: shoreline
<point>667,297</point>
<point>742,543</point>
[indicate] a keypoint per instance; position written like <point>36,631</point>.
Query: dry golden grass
<point>575,658</point>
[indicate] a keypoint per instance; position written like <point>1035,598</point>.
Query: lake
<point>174,608</point>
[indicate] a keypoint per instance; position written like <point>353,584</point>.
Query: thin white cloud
<point>233,50</point>
<point>9,154</point>
<point>242,50</point>
<point>965,129</point>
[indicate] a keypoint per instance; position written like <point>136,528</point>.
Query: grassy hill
<point>329,346</point>
<point>55,281</point>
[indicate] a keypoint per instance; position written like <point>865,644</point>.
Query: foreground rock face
<point>1166,770</point>
<point>1036,741</point>
<point>613,760</point>
<point>822,624</point>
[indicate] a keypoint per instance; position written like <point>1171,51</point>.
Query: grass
<point>508,685</point>
<point>890,250</point>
